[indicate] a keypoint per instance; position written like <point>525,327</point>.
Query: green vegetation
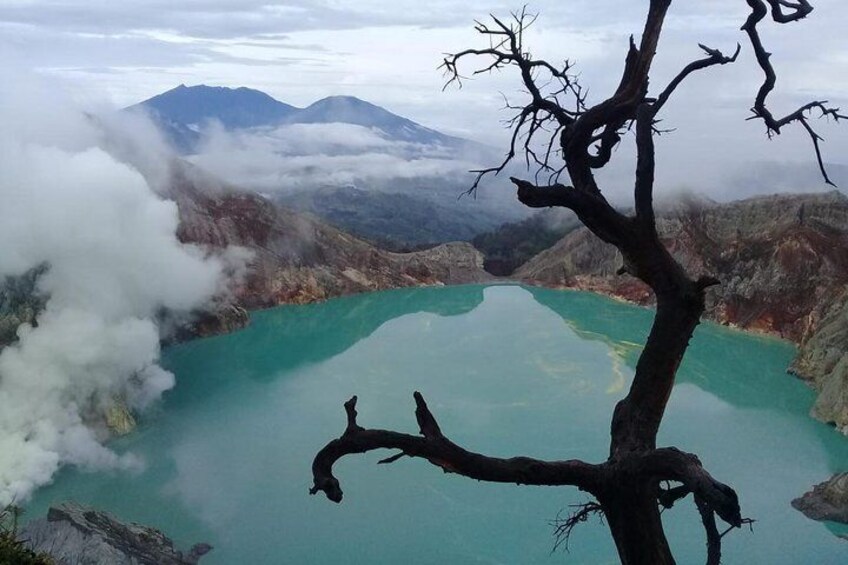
<point>511,245</point>
<point>12,550</point>
<point>409,215</point>
<point>395,221</point>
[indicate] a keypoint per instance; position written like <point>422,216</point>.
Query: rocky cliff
<point>20,303</point>
<point>75,535</point>
<point>827,501</point>
<point>293,258</point>
<point>823,360</point>
<point>783,263</point>
<point>296,258</point>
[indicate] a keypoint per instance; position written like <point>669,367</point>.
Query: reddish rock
<point>298,259</point>
<point>783,263</point>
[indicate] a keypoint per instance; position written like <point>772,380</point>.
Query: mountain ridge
<point>183,110</point>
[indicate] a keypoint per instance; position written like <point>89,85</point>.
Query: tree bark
<point>634,521</point>
<point>627,485</point>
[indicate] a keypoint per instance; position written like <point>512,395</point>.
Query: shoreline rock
<point>223,319</point>
<point>783,263</point>
<point>73,534</point>
<point>828,501</point>
<point>822,361</point>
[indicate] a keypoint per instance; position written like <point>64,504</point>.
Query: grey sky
<point>387,52</point>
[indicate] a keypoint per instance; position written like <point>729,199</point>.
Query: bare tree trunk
<point>637,416</point>
<point>634,521</point>
<point>628,484</point>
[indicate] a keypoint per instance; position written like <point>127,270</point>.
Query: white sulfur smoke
<point>73,197</point>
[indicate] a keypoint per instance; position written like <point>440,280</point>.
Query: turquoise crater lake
<point>507,370</point>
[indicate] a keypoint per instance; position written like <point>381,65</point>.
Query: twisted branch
<point>671,464</point>
<point>544,112</point>
<point>646,117</point>
<point>434,447</point>
<point>585,137</point>
<point>783,11</point>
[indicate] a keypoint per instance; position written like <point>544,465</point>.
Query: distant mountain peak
<point>235,108</point>
<point>180,110</point>
<point>338,99</point>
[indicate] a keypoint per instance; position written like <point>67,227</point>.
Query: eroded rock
<point>20,303</point>
<point>76,535</point>
<point>297,259</point>
<point>828,501</point>
<point>119,418</point>
<point>783,264</point>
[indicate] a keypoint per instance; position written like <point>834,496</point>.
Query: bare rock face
<point>827,501</point>
<point>119,418</point>
<point>783,263</point>
<point>295,258</point>
<point>298,259</point>
<point>220,319</point>
<point>823,360</point>
<point>75,535</point>
<point>20,303</point>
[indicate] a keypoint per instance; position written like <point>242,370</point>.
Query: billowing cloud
<point>388,54</point>
<point>75,199</point>
<point>298,156</point>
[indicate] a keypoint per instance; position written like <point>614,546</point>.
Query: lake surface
<point>507,370</point>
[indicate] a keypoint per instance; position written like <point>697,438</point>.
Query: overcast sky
<point>388,52</point>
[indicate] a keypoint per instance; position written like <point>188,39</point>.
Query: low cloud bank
<point>79,194</point>
<point>298,156</point>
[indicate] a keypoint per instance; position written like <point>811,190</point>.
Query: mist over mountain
<point>352,163</point>
<point>394,220</point>
<point>769,177</point>
<point>191,108</point>
<point>182,111</point>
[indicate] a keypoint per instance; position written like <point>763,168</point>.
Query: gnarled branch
<point>671,464</point>
<point>544,112</point>
<point>783,11</point>
<point>645,129</point>
<point>433,446</point>
<point>592,209</point>
<point>715,57</point>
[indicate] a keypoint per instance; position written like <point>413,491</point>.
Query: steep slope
<point>823,360</point>
<point>512,244</point>
<point>395,220</point>
<point>352,110</point>
<point>298,259</point>
<point>294,258</point>
<point>783,263</point>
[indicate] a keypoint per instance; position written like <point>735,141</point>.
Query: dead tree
<point>639,478</point>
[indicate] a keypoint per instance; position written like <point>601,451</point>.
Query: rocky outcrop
<point>783,263</point>
<point>823,361</point>
<point>20,303</point>
<point>119,418</point>
<point>827,501</point>
<point>296,258</point>
<point>75,535</point>
<point>220,319</point>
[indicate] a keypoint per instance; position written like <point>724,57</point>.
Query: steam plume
<point>75,197</point>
